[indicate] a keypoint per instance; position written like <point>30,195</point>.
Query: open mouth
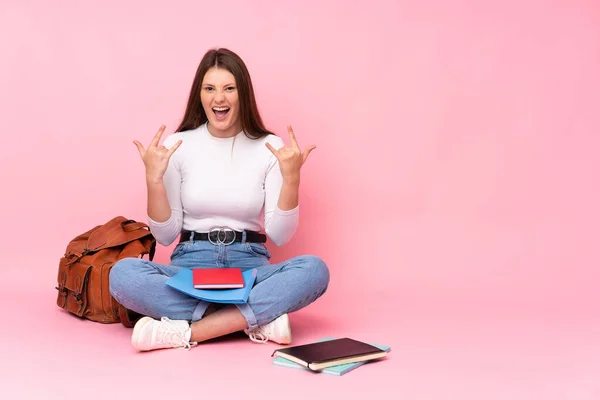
<point>220,112</point>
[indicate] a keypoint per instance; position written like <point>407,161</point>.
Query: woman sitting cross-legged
<point>216,183</point>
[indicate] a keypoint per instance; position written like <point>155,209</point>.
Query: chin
<point>222,125</point>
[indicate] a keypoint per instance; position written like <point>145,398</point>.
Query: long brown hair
<point>223,58</point>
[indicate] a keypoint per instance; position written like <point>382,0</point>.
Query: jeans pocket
<point>178,250</point>
<point>258,249</point>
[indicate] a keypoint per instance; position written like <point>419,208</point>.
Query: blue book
<point>182,282</point>
<point>337,370</point>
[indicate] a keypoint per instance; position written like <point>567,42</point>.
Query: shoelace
<point>172,332</point>
<point>258,336</point>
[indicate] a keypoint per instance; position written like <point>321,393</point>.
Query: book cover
<point>182,282</point>
<point>217,278</point>
<point>319,355</point>
<point>337,370</point>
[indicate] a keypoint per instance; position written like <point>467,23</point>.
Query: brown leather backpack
<point>83,271</point>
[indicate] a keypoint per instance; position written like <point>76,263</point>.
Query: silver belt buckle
<point>220,240</point>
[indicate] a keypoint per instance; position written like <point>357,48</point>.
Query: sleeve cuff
<point>287,212</point>
<point>155,223</point>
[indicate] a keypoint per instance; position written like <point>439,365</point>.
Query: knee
<point>317,270</point>
<point>121,274</point>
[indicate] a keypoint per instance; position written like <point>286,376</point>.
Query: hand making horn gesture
<point>291,158</point>
<point>155,157</point>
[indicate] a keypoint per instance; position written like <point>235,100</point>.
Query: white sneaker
<point>278,331</point>
<point>151,334</point>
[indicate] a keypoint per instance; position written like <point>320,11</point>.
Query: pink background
<point>453,192</point>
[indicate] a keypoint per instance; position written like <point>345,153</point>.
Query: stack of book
<point>329,356</point>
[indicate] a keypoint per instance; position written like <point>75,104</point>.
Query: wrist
<point>292,183</point>
<point>292,180</point>
<point>153,181</point>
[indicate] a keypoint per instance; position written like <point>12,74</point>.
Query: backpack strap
<point>116,232</point>
<point>131,225</point>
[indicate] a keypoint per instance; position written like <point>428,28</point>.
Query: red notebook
<point>217,278</point>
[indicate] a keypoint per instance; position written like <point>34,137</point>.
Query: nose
<point>219,96</point>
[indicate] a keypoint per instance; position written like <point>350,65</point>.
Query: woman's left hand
<point>291,158</point>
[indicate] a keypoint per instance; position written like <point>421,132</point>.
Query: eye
<point>208,89</point>
<point>230,89</point>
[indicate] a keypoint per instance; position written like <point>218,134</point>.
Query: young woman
<point>217,182</point>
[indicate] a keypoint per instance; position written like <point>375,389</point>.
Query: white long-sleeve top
<point>230,183</point>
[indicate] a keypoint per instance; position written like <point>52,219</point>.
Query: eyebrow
<point>210,84</point>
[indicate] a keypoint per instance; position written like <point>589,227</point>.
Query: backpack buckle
<point>61,290</point>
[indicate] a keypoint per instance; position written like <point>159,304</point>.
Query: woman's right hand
<point>155,157</point>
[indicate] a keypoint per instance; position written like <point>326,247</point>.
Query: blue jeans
<point>139,284</point>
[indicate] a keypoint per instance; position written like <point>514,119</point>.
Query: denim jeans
<point>286,287</point>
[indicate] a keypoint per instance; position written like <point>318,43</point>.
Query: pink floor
<point>444,353</point>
